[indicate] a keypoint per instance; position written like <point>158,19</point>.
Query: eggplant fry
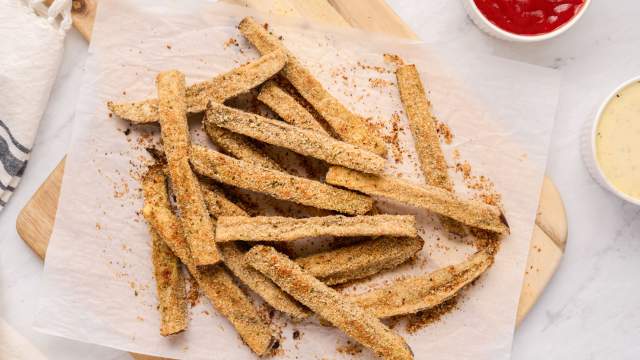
<point>174,131</point>
<point>170,283</point>
<point>350,127</point>
<point>418,293</point>
<point>233,257</point>
<point>218,89</point>
<point>216,283</point>
<point>277,228</point>
<point>278,184</point>
<point>360,260</point>
<point>423,127</point>
<point>306,142</point>
<point>329,304</point>
<point>239,146</point>
<point>468,212</point>
<point>287,107</point>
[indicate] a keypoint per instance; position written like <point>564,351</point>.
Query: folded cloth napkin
<point>31,44</point>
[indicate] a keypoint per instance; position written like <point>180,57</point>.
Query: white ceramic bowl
<point>490,28</point>
<point>588,147</point>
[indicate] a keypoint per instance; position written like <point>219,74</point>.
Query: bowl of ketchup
<point>525,20</point>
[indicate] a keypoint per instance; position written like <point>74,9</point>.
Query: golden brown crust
<point>239,146</point>
<point>423,127</point>
<point>306,142</point>
<point>278,228</point>
<point>468,212</point>
<point>287,107</point>
<point>328,303</point>
<point>360,260</point>
<point>349,126</point>
<point>174,131</point>
<point>215,283</point>
<point>218,89</point>
<point>418,293</point>
<point>280,185</point>
<point>170,283</point>
<point>217,204</point>
<point>232,256</point>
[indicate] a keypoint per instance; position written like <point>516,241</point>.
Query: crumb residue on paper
<point>379,83</point>
<point>393,139</point>
<point>350,348</point>
<point>445,132</point>
<point>428,317</point>
<point>231,42</point>
<point>393,59</point>
<point>484,187</point>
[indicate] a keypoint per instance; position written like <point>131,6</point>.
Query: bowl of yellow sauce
<point>614,159</point>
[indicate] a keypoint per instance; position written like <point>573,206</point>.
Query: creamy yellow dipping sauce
<point>618,140</point>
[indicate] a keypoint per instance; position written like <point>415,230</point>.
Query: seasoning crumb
<point>193,294</point>
<point>378,83</point>
<point>425,318</point>
<point>350,348</point>
<point>393,59</point>
<point>393,138</point>
<point>445,132</point>
<point>168,46</point>
<point>231,41</point>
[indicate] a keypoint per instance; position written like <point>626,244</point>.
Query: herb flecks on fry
<point>170,283</point>
<point>278,184</point>
<point>424,129</point>
<point>306,142</point>
<point>468,212</point>
<point>277,228</point>
<point>218,89</point>
<point>332,306</point>
<point>360,260</point>
<point>350,127</point>
<point>174,131</point>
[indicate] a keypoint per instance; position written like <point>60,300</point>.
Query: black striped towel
<point>31,45</point>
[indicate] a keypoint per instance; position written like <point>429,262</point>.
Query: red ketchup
<point>529,17</point>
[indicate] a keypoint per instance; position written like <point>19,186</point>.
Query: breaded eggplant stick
<point>418,293</point>
<point>218,204</point>
<point>216,283</point>
<point>328,303</point>
<point>167,270</point>
<point>277,228</point>
<point>349,126</point>
<point>423,127</point>
<point>278,184</point>
<point>174,131</point>
<point>287,107</point>
<point>306,142</point>
<point>218,89</point>
<point>468,212</point>
<point>360,260</point>
<point>233,257</point>
<point>239,146</point>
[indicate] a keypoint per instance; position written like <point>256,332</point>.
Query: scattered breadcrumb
<point>393,59</point>
<point>445,132</point>
<point>423,319</point>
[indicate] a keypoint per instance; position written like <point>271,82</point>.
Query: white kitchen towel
<point>31,46</point>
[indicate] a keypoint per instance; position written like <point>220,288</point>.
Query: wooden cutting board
<point>35,221</point>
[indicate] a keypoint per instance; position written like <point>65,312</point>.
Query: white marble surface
<point>590,309</point>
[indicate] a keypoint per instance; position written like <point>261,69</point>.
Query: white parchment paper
<point>98,285</point>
